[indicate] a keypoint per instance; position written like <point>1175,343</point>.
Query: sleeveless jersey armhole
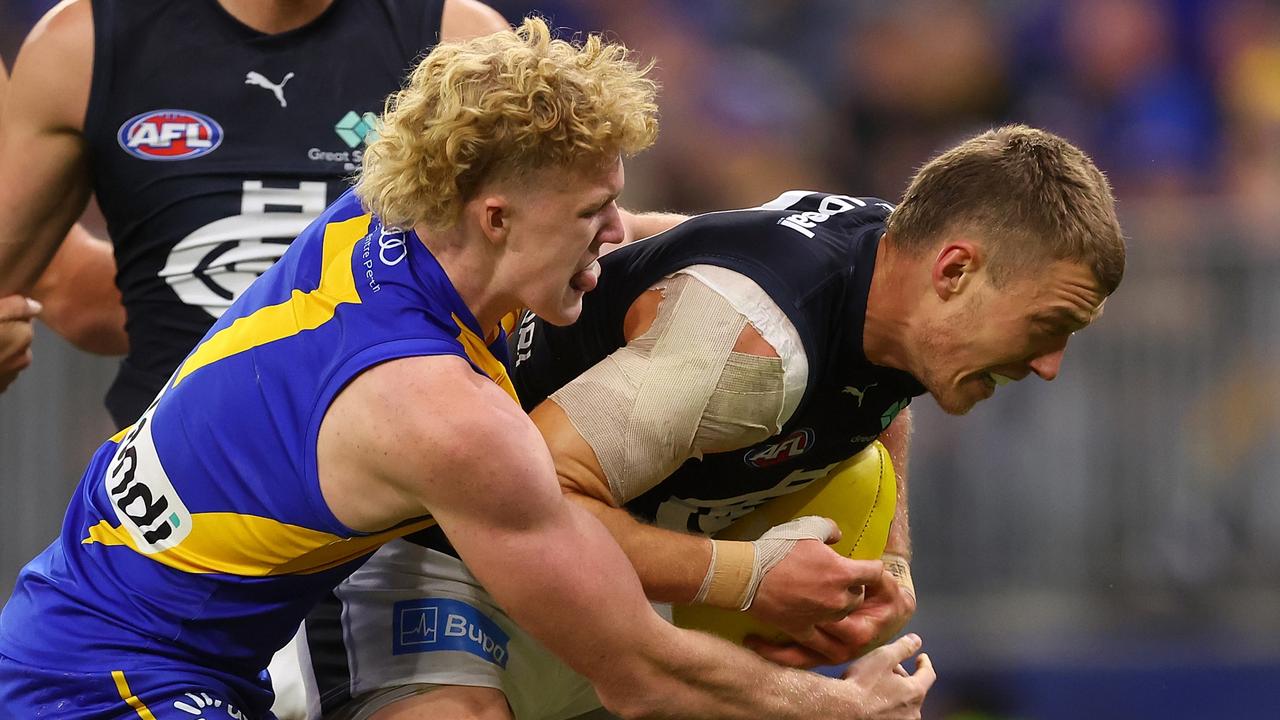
<point>346,372</point>
<point>101,74</point>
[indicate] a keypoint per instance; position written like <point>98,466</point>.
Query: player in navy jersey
<point>742,355</point>
<point>211,134</point>
<point>358,391</point>
<point>107,97</point>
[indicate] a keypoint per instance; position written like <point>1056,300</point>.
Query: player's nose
<point>1048,364</point>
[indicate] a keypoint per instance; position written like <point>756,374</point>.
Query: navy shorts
<point>164,693</point>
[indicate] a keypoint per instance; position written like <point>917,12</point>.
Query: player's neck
<point>275,16</point>
<point>888,320</point>
<point>471,271</point>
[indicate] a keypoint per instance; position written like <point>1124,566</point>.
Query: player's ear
<point>495,217</point>
<point>954,268</point>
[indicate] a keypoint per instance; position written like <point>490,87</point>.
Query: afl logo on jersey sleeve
<point>789,447</point>
<point>170,135</point>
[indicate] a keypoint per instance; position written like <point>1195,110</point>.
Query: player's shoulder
<point>67,23</point>
<point>454,430</point>
<point>55,65</point>
<point>798,209</point>
<point>462,19</point>
<point>820,206</point>
<point>445,413</point>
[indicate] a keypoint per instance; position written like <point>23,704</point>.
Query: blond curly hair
<point>500,106</point>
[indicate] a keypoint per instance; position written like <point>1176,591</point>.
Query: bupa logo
<point>170,135</point>
<point>789,447</point>
<point>433,624</point>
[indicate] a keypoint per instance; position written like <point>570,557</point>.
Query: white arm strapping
<point>675,392</point>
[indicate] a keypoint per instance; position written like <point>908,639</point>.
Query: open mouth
<point>584,280</point>
<point>995,379</point>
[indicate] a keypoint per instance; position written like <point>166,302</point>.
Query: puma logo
<point>257,78</point>
<point>858,393</point>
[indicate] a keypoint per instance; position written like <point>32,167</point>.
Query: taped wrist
<point>900,568</point>
<point>737,568</point>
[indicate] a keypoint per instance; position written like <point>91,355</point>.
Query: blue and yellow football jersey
<point>198,535</point>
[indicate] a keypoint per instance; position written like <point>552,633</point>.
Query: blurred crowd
<point>1138,496</point>
<point>1173,98</point>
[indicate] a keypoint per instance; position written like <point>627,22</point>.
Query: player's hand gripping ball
<point>860,495</point>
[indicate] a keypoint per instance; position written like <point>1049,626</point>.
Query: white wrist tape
<point>738,568</point>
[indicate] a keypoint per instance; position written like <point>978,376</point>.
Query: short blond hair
<point>1031,194</point>
<point>501,106</point>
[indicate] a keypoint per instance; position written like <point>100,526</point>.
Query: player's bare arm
<point>496,498</point>
<point>80,297</point>
<point>810,586</point>
<point>16,311</point>
<point>642,225</point>
<point>44,183</point>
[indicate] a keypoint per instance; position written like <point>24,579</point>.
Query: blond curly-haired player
<point>356,392</point>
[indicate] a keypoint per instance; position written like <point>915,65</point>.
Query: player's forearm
<point>671,565</point>
<point>80,297</point>
<point>897,439</point>
<point>600,625</point>
<point>706,677</point>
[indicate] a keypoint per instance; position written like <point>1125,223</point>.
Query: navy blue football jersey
<point>813,254</point>
<point>212,146</point>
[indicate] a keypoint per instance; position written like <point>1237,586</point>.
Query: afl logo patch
<point>170,135</point>
<point>789,447</point>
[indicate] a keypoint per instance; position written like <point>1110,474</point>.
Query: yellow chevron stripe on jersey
<point>511,320</point>
<point>478,351</point>
<point>302,311</point>
<point>254,546</point>
<point>122,687</point>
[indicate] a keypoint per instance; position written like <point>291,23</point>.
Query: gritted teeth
<point>997,379</point>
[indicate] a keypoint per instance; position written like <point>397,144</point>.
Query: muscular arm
<point>482,471</point>
<point>670,565</point>
<point>44,182</point>
<point>80,297</point>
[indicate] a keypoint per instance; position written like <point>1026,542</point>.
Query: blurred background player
<point>16,311</point>
<point>740,356</point>
<point>197,539</point>
<point>207,153</point>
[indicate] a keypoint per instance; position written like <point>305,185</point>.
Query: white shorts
<point>412,617</point>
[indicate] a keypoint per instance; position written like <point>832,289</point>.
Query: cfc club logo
<point>789,447</point>
<point>170,135</point>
